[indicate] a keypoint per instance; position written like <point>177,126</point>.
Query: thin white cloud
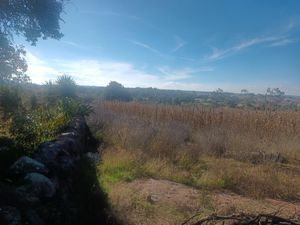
<point>100,73</point>
<point>293,24</point>
<point>38,70</point>
<point>71,43</point>
<point>280,39</point>
<point>218,54</point>
<point>79,46</point>
<point>282,42</point>
<point>148,47</point>
<point>182,74</point>
<point>109,13</point>
<point>179,43</point>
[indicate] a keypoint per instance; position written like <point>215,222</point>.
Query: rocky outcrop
<point>26,165</point>
<point>42,191</point>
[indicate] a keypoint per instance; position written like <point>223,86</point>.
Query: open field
<point>254,154</point>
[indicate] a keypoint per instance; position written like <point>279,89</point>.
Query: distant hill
<point>179,97</point>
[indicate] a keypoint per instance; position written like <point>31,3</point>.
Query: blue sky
<point>176,44</point>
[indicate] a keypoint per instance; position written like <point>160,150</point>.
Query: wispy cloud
<point>79,46</point>
<point>71,43</point>
<point>182,74</point>
<point>100,73</point>
<point>109,13</point>
<point>281,38</point>
<point>273,41</point>
<point>282,42</point>
<point>38,70</point>
<point>179,43</point>
<point>146,46</point>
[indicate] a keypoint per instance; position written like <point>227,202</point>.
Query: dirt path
<point>164,202</point>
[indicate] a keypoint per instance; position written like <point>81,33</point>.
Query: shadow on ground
<point>89,198</point>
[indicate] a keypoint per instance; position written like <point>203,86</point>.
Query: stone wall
<point>41,187</point>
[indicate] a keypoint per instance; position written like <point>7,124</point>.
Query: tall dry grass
<point>263,145</point>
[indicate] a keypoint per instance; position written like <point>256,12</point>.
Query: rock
<point>48,152</point>
<point>152,198</point>
<point>33,218</point>
<point>26,165</point>
<point>65,165</point>
<point>4,149</point>
<point>93,157</point>
<point>37,185</point>
<point>10,216</point>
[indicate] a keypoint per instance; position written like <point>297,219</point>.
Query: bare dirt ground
<point>150,201</point>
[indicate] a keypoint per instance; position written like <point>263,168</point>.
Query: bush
<point>116,91</point>
<point>31,129</point>
<point>10,100</point>
<point>43,124</point>
<point>66,86</point>
<point>9,153</point>
<point>71,108</point>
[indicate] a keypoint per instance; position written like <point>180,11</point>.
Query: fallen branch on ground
<point>244,219</point>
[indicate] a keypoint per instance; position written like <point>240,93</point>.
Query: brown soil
<point>164,202</point>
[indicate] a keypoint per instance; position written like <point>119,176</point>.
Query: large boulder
<point>10,216</point>
<point>26,165</point>
<point>33,218</point>
<point>37,185</point>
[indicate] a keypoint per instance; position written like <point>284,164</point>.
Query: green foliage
<point>33,102</point>
<point>275,92</point>
<point>72,108</point>
<point>31,19</point>
<point>116,91</point>
<point>10,100</point>
<point>43,124</point>
<point>66,86</point>
<point>32,128</point>
<point>12,62</point>
<point>9,153</point>
<point>51,93</point>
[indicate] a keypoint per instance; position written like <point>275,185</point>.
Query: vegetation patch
<point>206,149</point>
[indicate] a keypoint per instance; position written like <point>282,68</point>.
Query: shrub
<point>116,91</point>
<point>10,100</point>
<point>71,108</point>
<point>30,129</point>
<point>66,86</point>
<point>9,153</point>
<point>43,124</point>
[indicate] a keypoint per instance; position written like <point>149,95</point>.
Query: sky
<point>197,45</point>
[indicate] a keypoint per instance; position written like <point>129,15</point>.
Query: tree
<point>276,92</point>
<point>10,100</point>
<point>244,91</point>
<point>66,86</point>
<point>31,19</point>
<point>116,91</point>
<point>28,18</point>
<point>33,102</point>
<point>51,95</point>
<point>12,62</point>
<point>219,91</point>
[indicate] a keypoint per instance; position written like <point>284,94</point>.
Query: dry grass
<point>257,181</point>
<point>239,150</point>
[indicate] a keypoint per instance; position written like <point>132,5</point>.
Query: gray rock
<point>26,165</point>
<point>37,185</point>
<point>10,215</point>
<point>48,152</point>
<point>33,218</point>
<point>152,198</point>
<point>93,157</point>
<point>66,164</point>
